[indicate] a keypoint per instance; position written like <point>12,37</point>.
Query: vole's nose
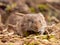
<point>41,30</point>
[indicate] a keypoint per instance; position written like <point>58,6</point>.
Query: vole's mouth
<point>31,32</point>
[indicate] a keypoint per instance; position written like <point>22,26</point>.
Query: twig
<point>58,11</point>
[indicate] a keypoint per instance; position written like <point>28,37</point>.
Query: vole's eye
<point>30,20</point>
<point>22,25</point>
<point>39,21</point>
<point>2,7</point>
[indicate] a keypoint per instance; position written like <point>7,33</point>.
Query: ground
<point>50,11</point>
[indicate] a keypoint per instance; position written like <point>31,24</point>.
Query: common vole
<point>27,22</point>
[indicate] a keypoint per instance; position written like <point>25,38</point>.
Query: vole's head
<point>36,22</point>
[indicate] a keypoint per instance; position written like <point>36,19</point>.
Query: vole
<point>27,22</point>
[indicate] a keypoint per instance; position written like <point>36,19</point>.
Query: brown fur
<point>25,22</point>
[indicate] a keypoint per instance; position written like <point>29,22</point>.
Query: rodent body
<point>26,22</point>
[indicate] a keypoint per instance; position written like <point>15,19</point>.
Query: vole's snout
<point>41,30</point>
